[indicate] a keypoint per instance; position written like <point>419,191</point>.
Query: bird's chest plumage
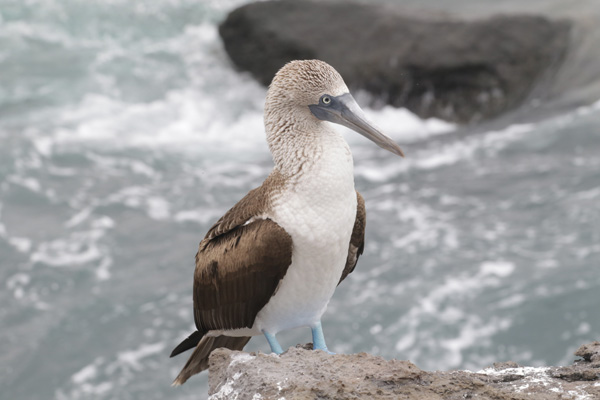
<point>318,212</point>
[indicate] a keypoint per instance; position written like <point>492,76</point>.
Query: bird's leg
<point>319,338</point>
<point>275,346</point>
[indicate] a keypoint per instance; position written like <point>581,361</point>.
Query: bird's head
<point>316,92</point>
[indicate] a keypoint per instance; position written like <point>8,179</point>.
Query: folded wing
<point>357,240</point>
<point>237,273</point>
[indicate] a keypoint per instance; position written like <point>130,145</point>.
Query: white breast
<point>319,213</point>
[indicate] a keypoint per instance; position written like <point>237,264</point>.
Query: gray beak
<point>345,111</point>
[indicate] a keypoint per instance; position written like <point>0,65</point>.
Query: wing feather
<point>237,273</point>
<point>240,263</point>
<point>357,240</point>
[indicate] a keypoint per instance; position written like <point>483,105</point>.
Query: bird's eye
<point>326,100</point>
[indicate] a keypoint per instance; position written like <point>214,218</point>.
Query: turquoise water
<point>125,133</point>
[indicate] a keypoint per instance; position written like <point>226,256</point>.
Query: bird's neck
<point>302,147</point>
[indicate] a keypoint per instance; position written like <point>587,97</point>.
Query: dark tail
<point>189,343</point>
<point>198,361</point>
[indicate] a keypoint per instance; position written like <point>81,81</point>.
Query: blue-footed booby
<point>273,261</point>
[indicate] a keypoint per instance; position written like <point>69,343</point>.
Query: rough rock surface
<point>304,374</point>
<point>456,70</point>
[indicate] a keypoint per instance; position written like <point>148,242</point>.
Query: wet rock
<point>575,373</point>
<point>590,352</point>
<point>456,70</point>
<point>499,366</point>
<point>300,373</point>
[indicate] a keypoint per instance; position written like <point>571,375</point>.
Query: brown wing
<point>237,273</point>
<point>239,263</point>
<point>357,240</point>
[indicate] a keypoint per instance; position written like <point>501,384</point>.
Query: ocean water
<point>125,132</point>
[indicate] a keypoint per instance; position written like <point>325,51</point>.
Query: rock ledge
<point>304,374</point>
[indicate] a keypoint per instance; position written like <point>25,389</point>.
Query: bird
<point>273,261</point>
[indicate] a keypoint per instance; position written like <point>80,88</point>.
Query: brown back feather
<point>254,204</point>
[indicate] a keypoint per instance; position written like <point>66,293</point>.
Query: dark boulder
<point>456,70</point>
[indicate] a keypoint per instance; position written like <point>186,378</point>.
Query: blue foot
<point>275,346</point>
<point>319,338</point>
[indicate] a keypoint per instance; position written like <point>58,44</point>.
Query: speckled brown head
<point>305,94</point>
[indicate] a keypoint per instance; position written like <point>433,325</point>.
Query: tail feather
<point>189,343</point>
<point>198,361</point>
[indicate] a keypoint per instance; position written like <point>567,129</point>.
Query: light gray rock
<point>457,70</point>
<point>300,373</point>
